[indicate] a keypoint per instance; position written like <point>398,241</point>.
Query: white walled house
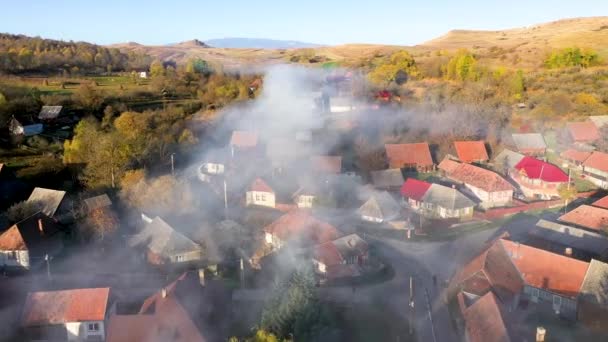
<point>66,315</point>
<point>305,196</point>
<point>490,188</point>
<point>207,170</point>
<point>260,193</point>
<point>380,207</point>
<point>27,242</point>
<point>595,169</point>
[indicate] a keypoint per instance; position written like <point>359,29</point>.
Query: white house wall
<point>266,199</point>
<point>22,259</point>
<point>78,331</point>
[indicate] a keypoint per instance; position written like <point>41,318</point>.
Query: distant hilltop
<point>258,43</point>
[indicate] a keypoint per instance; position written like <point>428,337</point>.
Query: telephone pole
<point>172,165</point>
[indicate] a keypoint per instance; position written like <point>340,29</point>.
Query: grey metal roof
<point>529,140</point>
<point>49,112</point>
<point>381,205</point>
<point>595,285</point>
<point>599,120</point>
<point>508,158</point>
<point>580,239</point>
<point>97,202</point>
<point>387,178</point>
<point>160,238</point>
<point>350,245</point>
<point>49,199</point>
<point>30,130</point>
<point>446,197</point>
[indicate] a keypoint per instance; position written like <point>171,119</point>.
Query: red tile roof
<point>572,154</point>
<point>471,151</point>
<point>328,254</point>
<point>414,189</point>
<point>537,169</point>
<point>602,202</point>
<point>448,165</point>
<point>480,178</point>
<point>300,223</point>
<point>57,307</point>
<point>587,216</point>
<point>597,160</point>
<point>261,186</point>
<point>244,139</point>
<point>583,131</point>
<point>327,164</point>
<point>545,270</point>
<point>484,321</point>
<point>400,155</point>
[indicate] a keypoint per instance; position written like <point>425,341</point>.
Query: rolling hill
<point>258,43</point>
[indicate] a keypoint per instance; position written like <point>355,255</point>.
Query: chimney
<point>568,251</point>
<point>163,292</point>
<point>40,227</point>
<point>540,334</point>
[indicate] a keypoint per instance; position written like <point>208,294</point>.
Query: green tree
<point>398,64</point>
<point>157,69</point>
<point>462,67</point>
<point>2,100</point>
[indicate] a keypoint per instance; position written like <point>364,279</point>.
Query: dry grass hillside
<point>520,47</point>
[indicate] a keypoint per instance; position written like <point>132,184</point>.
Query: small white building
<point>380,207</point>
<point>143,74</point>
<point>207,170</point>
<point>260,193</point>
<point>66,315</point>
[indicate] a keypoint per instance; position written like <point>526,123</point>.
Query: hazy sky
<point>401,22</point>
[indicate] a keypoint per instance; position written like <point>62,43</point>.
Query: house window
<point>263,197</point>
<point>12,255</point>
<point>179,258</point>
<point>557,301</point>
<point>257,197</point>
<point>535,294</point>
<point>93,326</point>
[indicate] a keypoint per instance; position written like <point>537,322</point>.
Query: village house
<point>436,201</point>
<point>484,319</point>
<point>26,243</point>
<point>243,141</point>
<point>163,245</point>
<point>379,208</point>
<point>342,257</point>
<point>538,179</point>
<point>16,129</point>
<point>601,203</point>
<point>491,189</point>
<point>415,156</point>
<point>585,132</point>
<point>564,239</point>
<point>593,297</point>
<point>516,272</point>
<point>506,160</point>
<point>587,217</point>
<point>326,164</point>
<point>301,227</point>
<point>532,144</point>
<point>52,202</point>
<point>66,315</point>
<point>261,194</point>
<point>50,113</point>
<point>167,315</point>
<point>389,180</point>
<point>595,169</point>
<point>305,196</point>
<point>574,158</point>
<point>471,151</point>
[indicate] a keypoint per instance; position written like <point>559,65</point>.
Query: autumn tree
<point>567,193</point>
<point>88,98</point>
<point>462,67</point>
<point>99,224</point>
<point>398,68</point>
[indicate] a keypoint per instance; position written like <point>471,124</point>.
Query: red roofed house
<point>484,320</point>
<point>490,188</point>
<point>341,258</point>
<point>588,217</point>
<point>415,156</point>
<point>260,193</point>
<point>574,157</point>
<point>326,164</point>
<point>538,179</point>
<point>602,202</point>
<point>582,132</point>
<point>512,270</point>
<point>595,169</point>
<point>167,315</point>
<point>413,191</point>
<point>471,151</point>
<point>243,141</point>
<point>66,315</point>
<point>26,243</point>
<point>435,200</point>
<point>300,226</point>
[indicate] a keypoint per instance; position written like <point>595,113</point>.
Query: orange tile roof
<point>328,254</point>
<point>261,186</point>
<point>480,178</point>
<point>57,307</point>
<point>548,271</point>
<point>327,164</point>
<point>244,139</point>
<point>602,202</point>
<point>583,131</point>
<point>587,216</point>
<point>597,160</point>
<point>400,155</point>
<point>572,154</point>
<point>448,165</point>
<point>484,321</point>
<point>300,223</point>
<point>471,151</point>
